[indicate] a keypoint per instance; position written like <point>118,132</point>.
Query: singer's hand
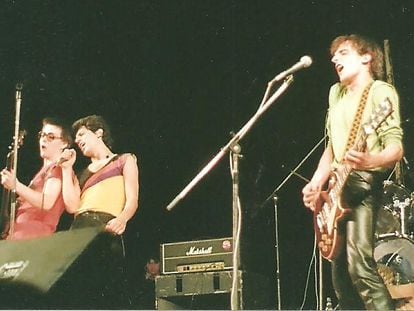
<point>67,158</point>
<point>116,226</point>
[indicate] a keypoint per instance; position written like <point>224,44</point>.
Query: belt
<point>95,215</point>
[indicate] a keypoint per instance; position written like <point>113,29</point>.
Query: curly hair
<point>363,45</point>
<point>94,123</point>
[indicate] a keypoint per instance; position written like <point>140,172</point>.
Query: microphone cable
<point>311,263</point>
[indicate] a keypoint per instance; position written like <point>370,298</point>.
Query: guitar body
<point>8,197</point>
<point>329,210</point>
<point>328,213</point>
<point>4,214</point>
<point>5,206</point>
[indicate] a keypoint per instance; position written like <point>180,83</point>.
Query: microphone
<point>63,159</point>
<point>304,62</point>
<point>60,161</point>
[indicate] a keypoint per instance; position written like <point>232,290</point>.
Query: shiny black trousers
<point>357,284</point>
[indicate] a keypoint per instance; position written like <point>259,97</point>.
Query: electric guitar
<point>329,210</point>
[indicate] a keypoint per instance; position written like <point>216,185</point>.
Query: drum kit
<point>394,248</point>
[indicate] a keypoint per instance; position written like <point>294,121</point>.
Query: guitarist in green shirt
<point>354,170</point>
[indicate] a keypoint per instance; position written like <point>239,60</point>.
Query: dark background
<point>173,79</point>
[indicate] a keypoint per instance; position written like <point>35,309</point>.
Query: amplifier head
<point>197,256</point>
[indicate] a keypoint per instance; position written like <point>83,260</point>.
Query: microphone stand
<point>266,103</point>
<point>236,299</point>
<point>275,202</point>
<point>236,138</point>
<point>294,171</point>
<point>279,297</point>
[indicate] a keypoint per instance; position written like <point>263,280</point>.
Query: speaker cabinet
<point>68,270</point>
<point>210,291</point>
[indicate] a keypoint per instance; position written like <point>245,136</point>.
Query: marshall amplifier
<point>197,256</point>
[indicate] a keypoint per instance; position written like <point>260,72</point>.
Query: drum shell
<point>395,257</point>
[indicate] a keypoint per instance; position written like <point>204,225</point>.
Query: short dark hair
<point>66,133</point>
<point>363,45</point>
<point>94,123</point>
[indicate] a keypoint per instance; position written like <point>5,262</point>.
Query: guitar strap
<point>356,124</point>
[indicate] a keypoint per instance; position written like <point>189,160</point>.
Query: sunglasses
<point>49,136</point>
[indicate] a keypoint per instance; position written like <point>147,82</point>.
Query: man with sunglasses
<point>40,204</point>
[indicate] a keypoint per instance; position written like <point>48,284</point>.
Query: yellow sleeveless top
<point>104,191</point>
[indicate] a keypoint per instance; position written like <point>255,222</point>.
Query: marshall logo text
<point>199,251</point>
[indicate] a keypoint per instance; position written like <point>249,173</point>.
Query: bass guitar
<point>329,210</point>
<point>8,196</point>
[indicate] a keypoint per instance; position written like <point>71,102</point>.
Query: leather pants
<point>356,281</point>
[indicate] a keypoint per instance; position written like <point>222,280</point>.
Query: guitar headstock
<point>20,139</point>
<point>379,116</point>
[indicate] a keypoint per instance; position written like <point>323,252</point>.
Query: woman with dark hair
<point>40,204</point>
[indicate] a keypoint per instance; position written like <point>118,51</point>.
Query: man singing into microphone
<point>40,204</point>
<point>359,64</point>
<point>105,196</point>
<point>106,193</point>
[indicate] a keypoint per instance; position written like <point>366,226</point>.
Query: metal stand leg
<point>279,299</point>
<point>236,298</point>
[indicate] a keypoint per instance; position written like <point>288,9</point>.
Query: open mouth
<point>339,68</point>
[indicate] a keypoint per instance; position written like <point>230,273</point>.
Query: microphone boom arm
<point>234,140</point>
<point>294,171</point>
